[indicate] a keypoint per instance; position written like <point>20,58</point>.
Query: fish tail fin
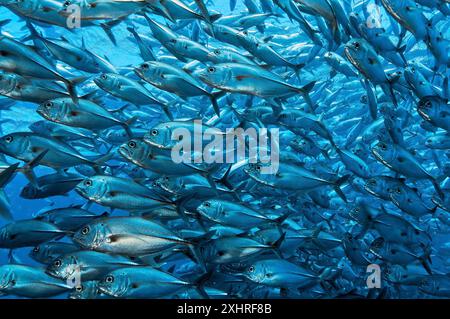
<point>224,179</point>
<point>305,93</point>
<point>108,31</point>
<point>6,175</point>
<point>167,111</point>
<point>215,17</point>
<point>401,51</point>
<point>71,89</point>
<point>179,206</point>
<point>338,184</point>
<point>199,284</point>
<point>437,187</point>
<point>4,22</point>
<point>194,252</point>
<point>446,90</point>
<point>214,97</point>
<point>433,210</point>
<point>126,126</point>
<point>5,178</point>
<point>277,244</point>
<point>28,168</point>
<point>297,68</point>
<point>389,91</point>
<point>32,29</point>
<point>204,11</point>
<point>102,160</point>
<point>280,220</point>
<point>426,265</point>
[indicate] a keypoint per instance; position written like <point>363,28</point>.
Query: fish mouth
<point>97,81</point>
<point>53,273</point>
<point>376,154</point>
<point>83,193</point>
<point>369,190</point>
<point>394,199</point>
<point>42,113</point>
<point>203,77</point>
<point>154,144</point>
<point>202,212</point>
<point>422,111</point>
<point>139,73</point>
<point>106,291</point>
<point>77,240</point>
<point>80,190</point>
<point>125,152</point>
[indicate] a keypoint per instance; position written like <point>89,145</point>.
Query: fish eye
<point>104,77</point>
<point>207,204</point>
<point>145,66</point>
<point>251,269</point>
<point>109,279</point>
<point>57,263</point>
<point>211,69</point>
<point>85,230</point>
<point>356,45</point>
<point>258,167</point>
<point>66,4</point>
<point>79,288</point>
<point>399,191</point>
<point>132,144</point>
<point>36,249</point>
<point>9,139</point>
<point>217,52</point>
<point>383,146</point>
<point>88,183</point>
<point>154,132</point>
<point>48,105</point>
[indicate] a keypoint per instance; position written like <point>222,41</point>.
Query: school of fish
<point>93,205</point>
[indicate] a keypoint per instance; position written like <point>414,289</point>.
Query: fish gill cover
<point>224,149</point>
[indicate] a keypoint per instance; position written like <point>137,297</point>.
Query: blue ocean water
<point>342,104</point>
